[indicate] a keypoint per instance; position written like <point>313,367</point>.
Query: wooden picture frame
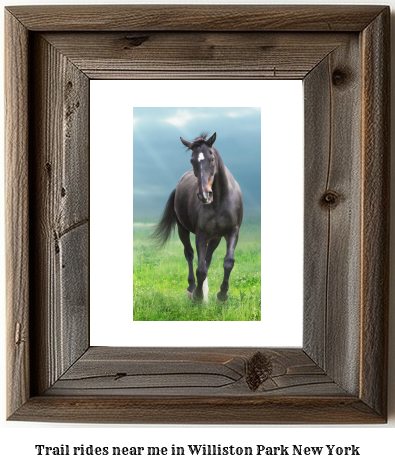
<point>340,374</point>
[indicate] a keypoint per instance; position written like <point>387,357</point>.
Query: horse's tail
<point>168,222</point>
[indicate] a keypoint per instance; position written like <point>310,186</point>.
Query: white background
<point>281,104</point>
<point>17,440</point>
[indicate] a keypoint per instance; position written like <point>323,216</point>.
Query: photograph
<point>197,208</point>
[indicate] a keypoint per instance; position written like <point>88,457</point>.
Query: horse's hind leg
<point>229,261</point>
<point>188,252</point>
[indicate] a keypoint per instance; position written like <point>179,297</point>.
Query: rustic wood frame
<point>340,374</point>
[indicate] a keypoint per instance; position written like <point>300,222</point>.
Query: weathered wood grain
<point>198,410</point>
<point>188,372</point>
<point>196,55</point>
<point>344,254</point>
<point>74,292</point>
<point>60,204</point>
<point>375,211</point>
<point>196,17</point>
<point>332,211</point>
<point>317,148</point>
<point>17,212</point>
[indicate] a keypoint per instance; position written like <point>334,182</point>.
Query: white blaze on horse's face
<point>204,171</point>
<point>204,165</point>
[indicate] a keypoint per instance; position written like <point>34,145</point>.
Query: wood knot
<point>340,77</point>
<point>330,199</point>
<point>259,369</point>
<point>135,41</point>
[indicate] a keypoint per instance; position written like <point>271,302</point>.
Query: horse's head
<point>204,161</point>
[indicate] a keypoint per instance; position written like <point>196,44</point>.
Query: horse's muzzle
<point>206,197</point>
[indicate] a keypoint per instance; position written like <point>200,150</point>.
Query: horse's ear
<point>211,140</point>
<point>186,143</point>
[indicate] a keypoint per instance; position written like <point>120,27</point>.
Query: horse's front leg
<point>201,271</point>
<point>212,246</point>
<point>229,261</point>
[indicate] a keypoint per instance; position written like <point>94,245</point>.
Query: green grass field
<point>160,279</point>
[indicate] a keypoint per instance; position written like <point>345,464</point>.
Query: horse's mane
<point>198,140</point>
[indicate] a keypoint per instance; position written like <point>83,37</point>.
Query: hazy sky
<point>160,159</point>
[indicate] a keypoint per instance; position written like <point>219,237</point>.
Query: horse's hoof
<point>222,298</point>
<point>198,298</point>
<point>190,295</point>
<point>194,298</point>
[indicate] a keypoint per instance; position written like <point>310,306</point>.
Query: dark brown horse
<point>207,202</point>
